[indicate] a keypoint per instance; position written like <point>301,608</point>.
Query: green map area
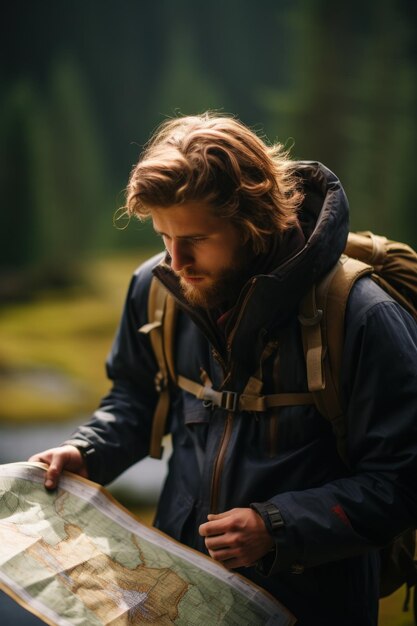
<point>74,556</point>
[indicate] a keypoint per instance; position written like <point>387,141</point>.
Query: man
<point>247,232</point>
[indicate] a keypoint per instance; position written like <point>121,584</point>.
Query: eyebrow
<point>190,236</point>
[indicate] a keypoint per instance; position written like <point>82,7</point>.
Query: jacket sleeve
<point>118,433</point>
<point>377,500</point>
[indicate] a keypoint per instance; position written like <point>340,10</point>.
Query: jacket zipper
<point>218,357</point>
<point>219,463</point>
<point>228,427</point>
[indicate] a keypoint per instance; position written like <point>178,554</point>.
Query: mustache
<point>190,273</point>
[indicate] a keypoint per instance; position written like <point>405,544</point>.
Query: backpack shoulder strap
<point>162,313</point>
<point>322,318</point>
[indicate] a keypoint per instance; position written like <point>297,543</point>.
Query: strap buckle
<point>229,400</point>
<point>311,321</point>
<point>226,400</point>
<point>160,381</point>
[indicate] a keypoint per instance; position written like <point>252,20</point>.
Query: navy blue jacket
<point>325,566</point>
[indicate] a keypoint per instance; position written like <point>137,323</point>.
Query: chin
<point>204,298</point>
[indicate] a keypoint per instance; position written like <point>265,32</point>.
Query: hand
<point>59,459</point>
<point>237,538</point>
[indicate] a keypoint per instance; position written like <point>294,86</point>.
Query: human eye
<point>197,240</point>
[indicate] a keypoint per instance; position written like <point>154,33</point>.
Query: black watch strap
<point>270,514</point>
<point>274,515</point>
<point>85,448</point>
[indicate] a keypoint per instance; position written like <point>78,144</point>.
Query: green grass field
<point>53,349</point>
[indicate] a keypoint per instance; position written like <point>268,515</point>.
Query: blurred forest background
<point>83,85</point>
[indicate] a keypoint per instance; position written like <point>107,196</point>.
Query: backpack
<point>391,264</point>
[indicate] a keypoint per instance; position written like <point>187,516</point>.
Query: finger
<point>222,554</point>
<point>230,558</point>
<point>53,472</point>
<point>217,542</point>
<point>215,527</point>
<point>216,516</point>
<point>219,523</point>
<point>208,529</point>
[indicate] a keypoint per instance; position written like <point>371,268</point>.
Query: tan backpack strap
<point>169,324</point>
<point>314,330</point>
<point>322,317</point>
<point>368,247</point>
<point>332,297</point>
<point>161,316</point>
<point>232,401</point>
<point>263,403</point>
<point>255,382</point>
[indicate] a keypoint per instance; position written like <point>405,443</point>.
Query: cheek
<point>220,256</point>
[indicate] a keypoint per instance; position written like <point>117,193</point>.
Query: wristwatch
<point>270,514</point>
<point>85,447</point>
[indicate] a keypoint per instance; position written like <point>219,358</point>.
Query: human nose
<point>181,255</point>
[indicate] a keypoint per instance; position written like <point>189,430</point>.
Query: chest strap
<point>233,401</point>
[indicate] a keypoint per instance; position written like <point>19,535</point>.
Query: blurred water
<point>143,480</point>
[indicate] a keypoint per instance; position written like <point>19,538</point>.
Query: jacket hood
<point>324,219</point>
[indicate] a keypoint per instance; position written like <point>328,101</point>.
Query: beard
<point>221,289</point>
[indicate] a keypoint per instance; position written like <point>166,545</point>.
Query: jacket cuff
<point>274,523</point>
<point>86,450</point>
<point>274,561</point>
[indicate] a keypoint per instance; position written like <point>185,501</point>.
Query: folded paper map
<point>76,557</point>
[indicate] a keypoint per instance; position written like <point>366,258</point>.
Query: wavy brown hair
<point>218,160</point>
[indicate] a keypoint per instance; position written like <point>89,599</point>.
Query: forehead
<point>188,219</point>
